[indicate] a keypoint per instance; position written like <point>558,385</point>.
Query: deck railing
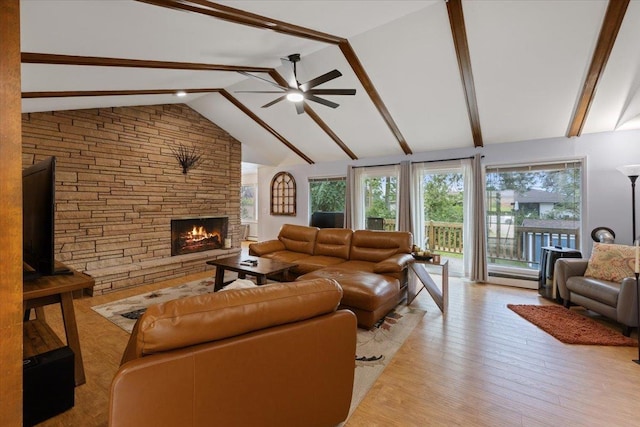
<point>444,236</point>
<point>527,241</point>
<point>523,246</point>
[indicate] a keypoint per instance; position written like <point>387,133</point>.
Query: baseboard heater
<point>513,276</point>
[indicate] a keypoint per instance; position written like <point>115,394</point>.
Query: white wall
<point>607,192</point>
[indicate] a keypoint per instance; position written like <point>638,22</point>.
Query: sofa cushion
<point>333,242</point>
<point>298,238</point>
<point>595,289</point>
<point>286,256</point>
<point>315,262</point>
<point>362,289</point>
<point>611,262</point>
<point>215,316</point>
<point>375,246</point>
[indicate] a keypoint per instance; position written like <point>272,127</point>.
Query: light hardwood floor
<point>478,365</point>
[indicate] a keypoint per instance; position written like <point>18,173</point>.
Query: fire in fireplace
<point>197,234</point>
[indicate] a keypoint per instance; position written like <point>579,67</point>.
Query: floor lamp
<point>633,171</point>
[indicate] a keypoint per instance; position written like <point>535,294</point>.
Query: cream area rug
<point>374,349</point>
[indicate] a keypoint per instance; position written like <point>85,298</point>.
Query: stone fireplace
<point>118,186</point>
<point>189,235</point>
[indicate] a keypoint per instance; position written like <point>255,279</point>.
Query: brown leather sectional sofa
<point>370,266</point>
<point>278,355</point>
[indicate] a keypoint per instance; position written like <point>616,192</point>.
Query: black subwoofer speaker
<point>48,385</point>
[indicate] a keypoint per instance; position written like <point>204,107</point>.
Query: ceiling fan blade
<point>288,73</point>
<point>244,73</point>
<point>300,107</point>
<point>321,101</point>
<point>320,79</point>
<point>331,91</point>
<point>275,101</point>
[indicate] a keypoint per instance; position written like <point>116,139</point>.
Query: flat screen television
<point>327,219</point>
<point>38,224</point>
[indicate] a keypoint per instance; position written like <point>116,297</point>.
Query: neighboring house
<point>538,201</point>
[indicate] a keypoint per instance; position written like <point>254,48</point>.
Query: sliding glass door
<point>438,211</point>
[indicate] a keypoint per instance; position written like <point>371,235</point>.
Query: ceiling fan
<point>297,92</point>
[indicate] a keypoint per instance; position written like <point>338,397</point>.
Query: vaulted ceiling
<point>428,74</point>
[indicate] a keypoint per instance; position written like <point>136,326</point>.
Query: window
<point>248,202</point>
<point>528,207</point>
<point>327,201</point>
<point>377,201</point>
<point>283,194</point>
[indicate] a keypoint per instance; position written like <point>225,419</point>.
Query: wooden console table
<point>48,290</point>
<point>440,295</point>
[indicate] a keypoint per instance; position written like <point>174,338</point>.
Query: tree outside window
<point>375,197</point>
<point>248,203</point>
<point>443,197</point>
<point>327,194</point>
<point>381,197</point>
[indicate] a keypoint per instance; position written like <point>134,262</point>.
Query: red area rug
<point>570,327</point>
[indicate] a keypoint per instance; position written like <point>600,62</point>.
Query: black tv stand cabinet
<point>546,281</point>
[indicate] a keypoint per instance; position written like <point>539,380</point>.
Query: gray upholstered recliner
<point>617,301</point>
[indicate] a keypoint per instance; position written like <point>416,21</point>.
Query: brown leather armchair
<point>275,355</point>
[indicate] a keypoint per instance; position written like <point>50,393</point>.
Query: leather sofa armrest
<point>628,302</point>
<point>565,268</point>
<point>266,247</point>
<point>393,264</point>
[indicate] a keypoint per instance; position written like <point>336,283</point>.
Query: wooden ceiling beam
<point>97,61</point>
<point>312,114</point>
<point>459,33</point>
<point>238,16</point>
<point>242,17</point>
<point>265,126</point>
<point>616,10</point>
<point>325,127</point>
<point>356,65</point>
<point>224,93</point>
<point>82,93</point>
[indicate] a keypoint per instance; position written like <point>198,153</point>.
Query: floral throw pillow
<point>611,262</point>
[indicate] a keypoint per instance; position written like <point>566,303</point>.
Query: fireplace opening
<point>191,235</point>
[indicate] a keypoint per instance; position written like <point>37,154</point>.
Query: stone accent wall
<point>118,185</point>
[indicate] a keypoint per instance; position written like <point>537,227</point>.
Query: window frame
<point>576,162</point>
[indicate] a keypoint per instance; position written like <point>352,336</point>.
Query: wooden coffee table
<point>261,270</point>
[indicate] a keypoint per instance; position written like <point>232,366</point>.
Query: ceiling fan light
<point>295,97</point>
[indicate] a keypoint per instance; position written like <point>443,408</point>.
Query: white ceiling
<point>529,61</point>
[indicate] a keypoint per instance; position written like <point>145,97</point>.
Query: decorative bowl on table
<point>423,257</point>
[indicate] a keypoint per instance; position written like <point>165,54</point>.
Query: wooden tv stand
<point>46,290</point>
